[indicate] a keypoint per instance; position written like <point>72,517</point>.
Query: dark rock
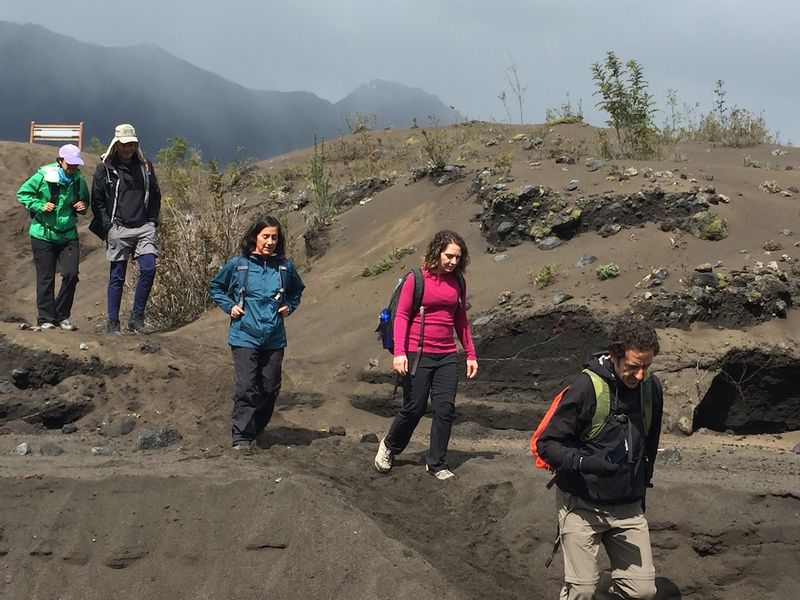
<point>127,425</point>
<point>504,228</point>
<point>670,454</point>
<point>6,387</point>
<point>369,438</point>
<point>560,298</point>
<point>337,430</point>
<point>796,448</point>
<point>704,279</point>
<point>69,428</point>
<point>565,159</point>
<point>50,449</point>
<point>571,186</point>
<point>149,347</point>
<point>20,377</point>
<point>160,437</point>
<point>549,243</point>
<point>595,165</point>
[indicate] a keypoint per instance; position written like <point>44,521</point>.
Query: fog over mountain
<point>54,78</point>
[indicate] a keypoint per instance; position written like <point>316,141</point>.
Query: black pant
<point>437,378</point>
<point>45,256</point>
<point>257,377</point>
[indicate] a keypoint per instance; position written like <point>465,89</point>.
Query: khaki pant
<point>622,530</point>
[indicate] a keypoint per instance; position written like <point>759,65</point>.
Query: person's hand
<point>49,207</point>
<point>237,311</point>
<point>400,364</point>
<point>283,311</point>
<point>597,465</point>
<point>472,368</point>
<point>79,206</point>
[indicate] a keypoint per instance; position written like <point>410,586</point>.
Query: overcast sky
<point>461,50</point>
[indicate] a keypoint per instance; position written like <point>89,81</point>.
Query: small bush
<point>545,277</point>
<point>564,115</point>
<point>608,271</point>
<point>502,163</point>
<point>716,229</point>
<point>396,255</point>
<point>436,147</point>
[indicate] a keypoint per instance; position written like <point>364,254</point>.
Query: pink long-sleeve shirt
<point>443,315</point>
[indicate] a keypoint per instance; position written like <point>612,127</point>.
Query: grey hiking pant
<point>622,529</point>
<point>257,382</point>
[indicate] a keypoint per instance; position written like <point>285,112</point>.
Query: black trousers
<point>257,382</point>
<point>46,255</point>
<point>436,378</point>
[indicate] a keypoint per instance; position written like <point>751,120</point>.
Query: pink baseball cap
<point>71,154</point>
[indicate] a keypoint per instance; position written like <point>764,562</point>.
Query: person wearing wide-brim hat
<point>126,201</point>
<point>54,196</point>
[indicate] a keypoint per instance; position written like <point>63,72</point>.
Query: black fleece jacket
<point>622,438</point>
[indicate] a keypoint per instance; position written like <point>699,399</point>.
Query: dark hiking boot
<point>136,324</point>
<point>113,328</point>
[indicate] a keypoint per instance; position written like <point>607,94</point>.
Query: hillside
<point>307,516</point>
<point>165,97</point>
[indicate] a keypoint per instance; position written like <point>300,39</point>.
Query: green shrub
<point>716,229</point>
<point>564,115</point>
<point>608,271</point>
<point>545,277</point>
<point>395,256</point>
<point>625,98</point>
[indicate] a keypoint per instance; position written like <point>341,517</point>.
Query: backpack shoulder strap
<point>283,271</point>
<point>602,395</point>
<point>646,389</point>
<point>419,288</point>
<point>461,286</point>
<point>242,271</point>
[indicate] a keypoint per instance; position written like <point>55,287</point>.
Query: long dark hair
<point>250,235</point>
<point>437,245</point>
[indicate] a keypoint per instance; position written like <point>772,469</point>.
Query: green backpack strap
<point>602,395</point>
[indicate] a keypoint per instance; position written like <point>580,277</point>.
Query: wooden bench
<point>41,132</point>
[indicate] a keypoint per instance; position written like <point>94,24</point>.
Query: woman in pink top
<point>432,370</point>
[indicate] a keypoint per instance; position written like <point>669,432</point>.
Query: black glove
<point>597,466</point>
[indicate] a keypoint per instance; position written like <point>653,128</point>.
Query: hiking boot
<point>441,474</point>
<point>136,324</point>
<point>113,327</point>
<point>67,325</point>
<point>47,325</point>
<point>384,458</point>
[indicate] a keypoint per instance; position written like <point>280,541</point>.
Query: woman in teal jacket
<point>54,196</point>
<point>258,289</point>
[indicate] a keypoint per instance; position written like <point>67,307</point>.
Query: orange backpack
<point>602,395</point>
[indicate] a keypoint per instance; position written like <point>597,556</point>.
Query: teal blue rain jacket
<point>261,326</point>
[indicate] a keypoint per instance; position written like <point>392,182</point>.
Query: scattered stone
<point>560,298</point>
<point>772,246</point>
<point>585,261</point>
<point>127,425</point>
<point>21,377</point>
<point>704,268</point>
<point>369,438</point>
<point>500,257</point>
<point>565,159</point>
<point>670,454</point>
<point>84,346</point>
<point>337,430</point>
<point>24,326</point>
<point>160,437</point>
<point>796,448</point>
<point>571,186</point>
<point>50,449</point>
<point>786,232</point>
<point>630,172</point>
<point>149,347</point>
<point>101,451</point>
<point>6,387</point>
<point>685,425</point>
<point>22,449</point>
<point>373,363</point>
<point>69,428</point>
<point>594,164</point>
<point>779,152</point>
<point>549,243</point>
<point>504,297</point>
<point>770,186</point>
<point>483,320</point>
<point>786,193</point>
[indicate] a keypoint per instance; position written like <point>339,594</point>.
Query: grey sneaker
<point>441,474</point>
<point>384,458</point>
<point>243,447</point>
<point>67,325</point>
<point>47,325</point>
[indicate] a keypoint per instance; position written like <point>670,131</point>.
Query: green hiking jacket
<point>59,226</point>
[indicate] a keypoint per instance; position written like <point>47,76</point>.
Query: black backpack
<point>385,327</point>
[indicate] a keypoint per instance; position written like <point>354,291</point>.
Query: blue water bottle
<point>385,329</point>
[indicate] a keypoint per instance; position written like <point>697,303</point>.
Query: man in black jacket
<point>602,441</point>
<point>126,201</point>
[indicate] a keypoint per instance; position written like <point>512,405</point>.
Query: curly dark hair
<point>250,235</point>
<point>437,245</point>
<point>632,332</point>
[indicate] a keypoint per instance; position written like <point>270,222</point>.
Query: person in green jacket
<point>54,196</point>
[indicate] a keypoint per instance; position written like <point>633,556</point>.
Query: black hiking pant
<point>257,382</point>
<point>46,256</point>
<point>436,378</point>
